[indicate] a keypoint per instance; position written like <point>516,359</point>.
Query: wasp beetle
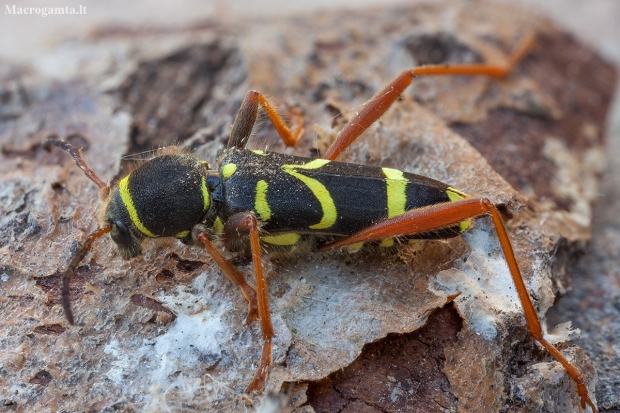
<point>275,199</point>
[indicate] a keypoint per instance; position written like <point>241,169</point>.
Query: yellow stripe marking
<point>261,206</point>
<point>355,247</point>
<point>387,243</point>
<point>464,225</point>
<point>218,226</point>
<point>396,191</point>
<point>182,234</point>
<point>123,187</point>
<point>281,239</point>
<point>318,189</point>
<point>206,199</point>
<point>228,170</point>
<point>258,152</point>
<point>456,195</point>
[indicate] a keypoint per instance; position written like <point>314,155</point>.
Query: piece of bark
<point>128,91</point>
<point>594,302</point>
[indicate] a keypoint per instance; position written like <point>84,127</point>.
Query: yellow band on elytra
<point>456,195</point>
<point>260,203</point>
<point>396,191</point>
<point>288,238</point>
<point>228,170</point>
<point>318,189</point>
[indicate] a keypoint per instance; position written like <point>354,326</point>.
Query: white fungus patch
<point>191,338</point>
<point>186,346</point>
<point>484,280</point>
<point>122,361</point>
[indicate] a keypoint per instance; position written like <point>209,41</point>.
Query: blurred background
<point>594,21</point>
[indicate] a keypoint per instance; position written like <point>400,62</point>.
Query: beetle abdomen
<point>295,194</point>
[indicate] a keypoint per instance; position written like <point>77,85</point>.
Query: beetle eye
<point>120,234</point>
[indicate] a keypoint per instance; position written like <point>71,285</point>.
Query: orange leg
<point>242,224</point>
<point>75,261</point>
<point>245,224</point>
<point>383,100</point>
<point>246,118</point>
<point>230,271</point>
<point>439,216</point>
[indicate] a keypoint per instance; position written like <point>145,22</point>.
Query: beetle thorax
<point>165,197</point>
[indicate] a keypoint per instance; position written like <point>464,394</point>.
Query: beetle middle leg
<point>246,118</point>
<point>245,224</point>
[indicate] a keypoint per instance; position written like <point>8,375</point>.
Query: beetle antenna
<point>75,261</point>
<point>79,161</point>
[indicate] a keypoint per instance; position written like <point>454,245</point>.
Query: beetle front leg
<point>242,224</point>
<point>79,256</point>
<point>200,234</point>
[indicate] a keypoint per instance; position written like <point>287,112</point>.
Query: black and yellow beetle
<point>275,199</point>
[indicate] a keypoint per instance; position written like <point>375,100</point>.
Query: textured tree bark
<point>356,331</point>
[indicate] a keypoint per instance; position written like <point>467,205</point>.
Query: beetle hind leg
<point>377,105</point>
<point>446,214</point>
